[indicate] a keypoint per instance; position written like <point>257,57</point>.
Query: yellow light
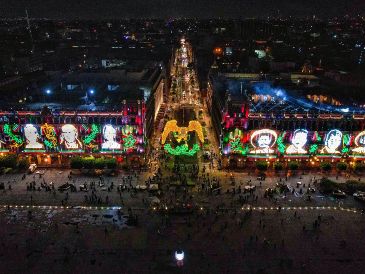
<point>171,126</point>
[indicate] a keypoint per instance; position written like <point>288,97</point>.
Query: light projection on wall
<point>49,133</point>
<point>298,142</point>
<point>69,138</point>
<point>181,136</point>
<point>332,142</point>
<point>16,140</point>
<point>32,137</point>
<point>89,138</point>
<point>359,143</point>
<point>316,140</point>
<point>128,138</point>
<point>263,141</point>
<point>235,144</point>
<point>346,143</point>
<point>109,138</point>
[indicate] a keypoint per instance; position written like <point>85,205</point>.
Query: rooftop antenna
<point>29,30</point>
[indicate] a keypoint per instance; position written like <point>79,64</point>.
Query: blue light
<point>48,91</point>
<point>345,110</point>
<point>92,91</point>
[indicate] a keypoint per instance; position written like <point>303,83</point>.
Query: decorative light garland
<point>313,149</point>
<point>50,133</point>
<point>236,146</point>
<point>280,142</point>
<point>17,139</point>
<point>127,129</point>
<point>129,141</point>
<point>91,137</point>
<point>345,143</point>
<point>182,150</point>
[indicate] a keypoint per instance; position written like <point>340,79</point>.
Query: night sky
<point>97,9</point>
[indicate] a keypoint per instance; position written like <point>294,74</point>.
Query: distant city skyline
<point>100,9</point>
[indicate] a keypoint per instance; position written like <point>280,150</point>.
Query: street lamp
<point>47,91</point>
<point>179,257</point>
<point>91,91</point>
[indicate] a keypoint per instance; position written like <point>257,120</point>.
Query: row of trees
<point>325,166</point>
<point>12,161</point>
<point>327,186</point>
<point>93,163</point>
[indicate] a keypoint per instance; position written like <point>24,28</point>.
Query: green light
<point>129,141</point>
<point>280,142</point>
<point>313,149</point>
<point>7,130</point>
<point>48,144</point>
<point>236,147</point>
<point>91,137</point>
<point>182,150</point>
<point>346,139</point>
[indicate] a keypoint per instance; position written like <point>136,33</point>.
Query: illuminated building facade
<point>254,120</point>
<point>106,113</point>
<point>55,137</point>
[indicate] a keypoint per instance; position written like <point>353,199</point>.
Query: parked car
<point>359,195</point>
<point>84,187</point>
<point>312,189</point>
<point>338,194</point>
<point>141,187</point>
<point>66,187</point>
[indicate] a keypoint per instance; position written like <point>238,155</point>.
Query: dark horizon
<point>114,9</point>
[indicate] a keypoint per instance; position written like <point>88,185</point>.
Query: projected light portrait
<point>359,143</point>
<point>298,142</point>
<point>263,141</point>
<point>69,138</point>
<point>32,137</point>
<point>109,138</point>
<point>332,142</point>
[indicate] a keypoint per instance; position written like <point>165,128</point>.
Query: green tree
<point>353,185</point>
<point>278,166</point>
<point>23,163</point>
<point>99,163</point>
<point>262,165</point>
<point>88,163</point>
<point>293,165</point>
<point>359,167</point>
<point>8,161</point>
<point>326,166</point>
<point>111,163</point>
<point>327,186</point>
<point>341,166</point>
<point>76,162</point>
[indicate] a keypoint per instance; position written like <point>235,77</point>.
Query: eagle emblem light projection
<point>182,138</point>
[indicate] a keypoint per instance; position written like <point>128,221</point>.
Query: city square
<point>182,145</point>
